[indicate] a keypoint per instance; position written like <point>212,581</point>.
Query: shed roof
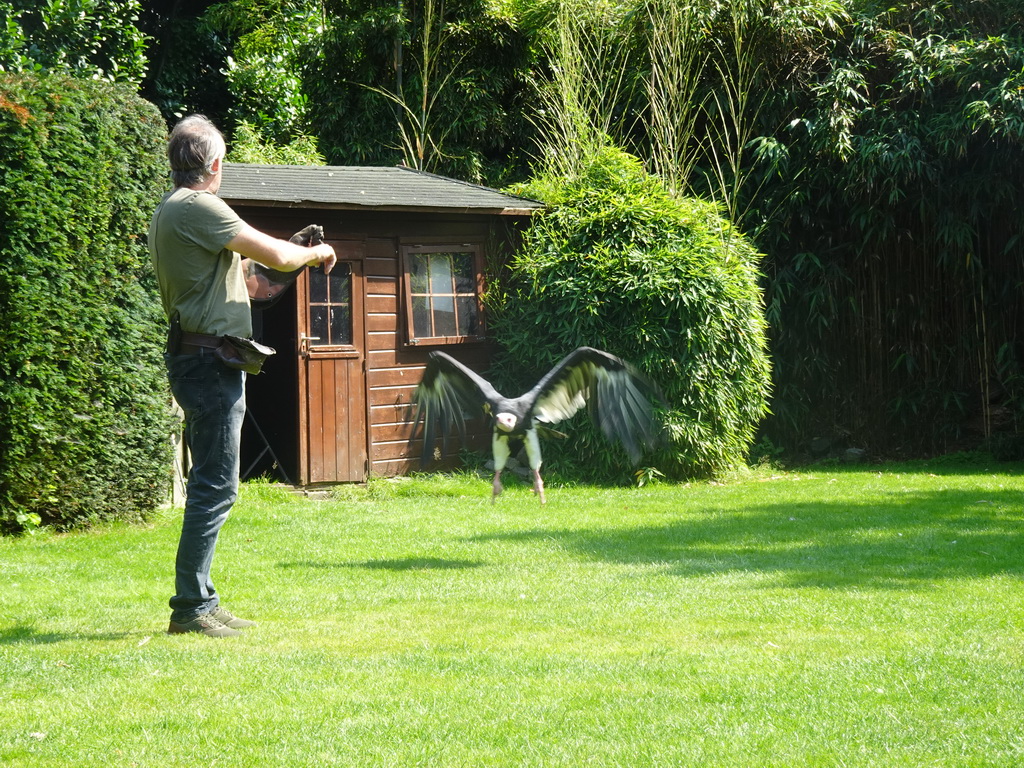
<point>374,188</point>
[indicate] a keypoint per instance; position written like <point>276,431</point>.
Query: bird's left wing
<point>448,394</point>
<point>618,396</point>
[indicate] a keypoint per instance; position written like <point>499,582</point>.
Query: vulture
<point>617,396</point>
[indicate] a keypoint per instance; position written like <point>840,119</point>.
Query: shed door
<point>332,388</point>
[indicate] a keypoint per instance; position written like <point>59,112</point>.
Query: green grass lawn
<point>827,617</point>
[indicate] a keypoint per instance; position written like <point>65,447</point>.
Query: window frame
<point>411,250</point>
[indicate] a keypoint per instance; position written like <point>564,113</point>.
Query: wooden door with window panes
<point>331,360</point>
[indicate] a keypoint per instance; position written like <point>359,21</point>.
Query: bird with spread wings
<point>619,398</point>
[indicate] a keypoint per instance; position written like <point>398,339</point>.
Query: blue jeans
<point>213,399</point>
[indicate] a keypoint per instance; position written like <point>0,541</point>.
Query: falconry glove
<point>266,286</point>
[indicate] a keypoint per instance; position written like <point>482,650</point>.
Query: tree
<point>475,85</point>
<point>264,67</point>
<point>188,58</point>
<point>894,211</point>
<point>91,38</point>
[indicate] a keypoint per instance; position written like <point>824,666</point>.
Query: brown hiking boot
<point>206,625</point>
<point>228,619</point>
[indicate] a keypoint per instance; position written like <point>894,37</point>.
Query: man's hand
<point>313,238</point>
<point>325,257</point>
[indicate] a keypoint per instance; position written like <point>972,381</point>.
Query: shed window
<point>442,293</point>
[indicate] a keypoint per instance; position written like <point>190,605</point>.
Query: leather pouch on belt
<point>174,335</point>
<point>244,354</point>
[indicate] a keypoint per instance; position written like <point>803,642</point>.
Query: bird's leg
<point>532,444</point>
<point>538,486</point>
<point>500,451</point>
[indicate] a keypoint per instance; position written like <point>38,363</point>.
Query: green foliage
<point>248,146</point>
<point>872,152</point>
<point>12,39</point>
<point>264,71</point>
<point>90,38</point>
<point>580,101</point>
<point>617,263</point>
<point>84,409</point>
<point>380,87</point>
<point>375,84</point>
<point>894,211</point>
<point>187,65</point>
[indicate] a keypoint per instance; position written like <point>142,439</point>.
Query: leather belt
<point>193,343</point>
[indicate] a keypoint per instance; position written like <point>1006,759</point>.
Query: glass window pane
<point>418,272</point>
<point>318,325</point>
<point>441,273</point>
<point>443,290</point>
<point>444,316</point>
<point>421,317</point>
<point>468,322</point>
<point>317,285</point>
<point>341,324</point>
<point>341,286</point>
<point>465,273</point>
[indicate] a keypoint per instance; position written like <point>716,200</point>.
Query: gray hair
<point>193,147</point>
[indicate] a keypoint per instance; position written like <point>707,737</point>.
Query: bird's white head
<point>506,421</point>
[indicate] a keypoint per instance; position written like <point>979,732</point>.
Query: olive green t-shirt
<point>198,277</point>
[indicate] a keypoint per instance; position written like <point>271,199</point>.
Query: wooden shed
<point>413,251</point>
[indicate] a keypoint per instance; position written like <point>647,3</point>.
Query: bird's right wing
<point>448,394</point>
<point>619,398</point>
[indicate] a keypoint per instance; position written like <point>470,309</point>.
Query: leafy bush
<point>92,38</point>
<point>617,263</point>
<point>84,409</point>
<point>248,146</point>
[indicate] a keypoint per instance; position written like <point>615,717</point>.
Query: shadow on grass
<point>399,564</point>
<point>26,634</point>
<point>914,540</point>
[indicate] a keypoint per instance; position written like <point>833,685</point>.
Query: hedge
<point>85,415</point>
<point>618,263</point>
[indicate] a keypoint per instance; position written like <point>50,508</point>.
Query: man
<point>196,243</point>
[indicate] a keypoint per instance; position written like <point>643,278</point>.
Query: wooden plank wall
<point>393,369</point>
<point>390,376</point>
